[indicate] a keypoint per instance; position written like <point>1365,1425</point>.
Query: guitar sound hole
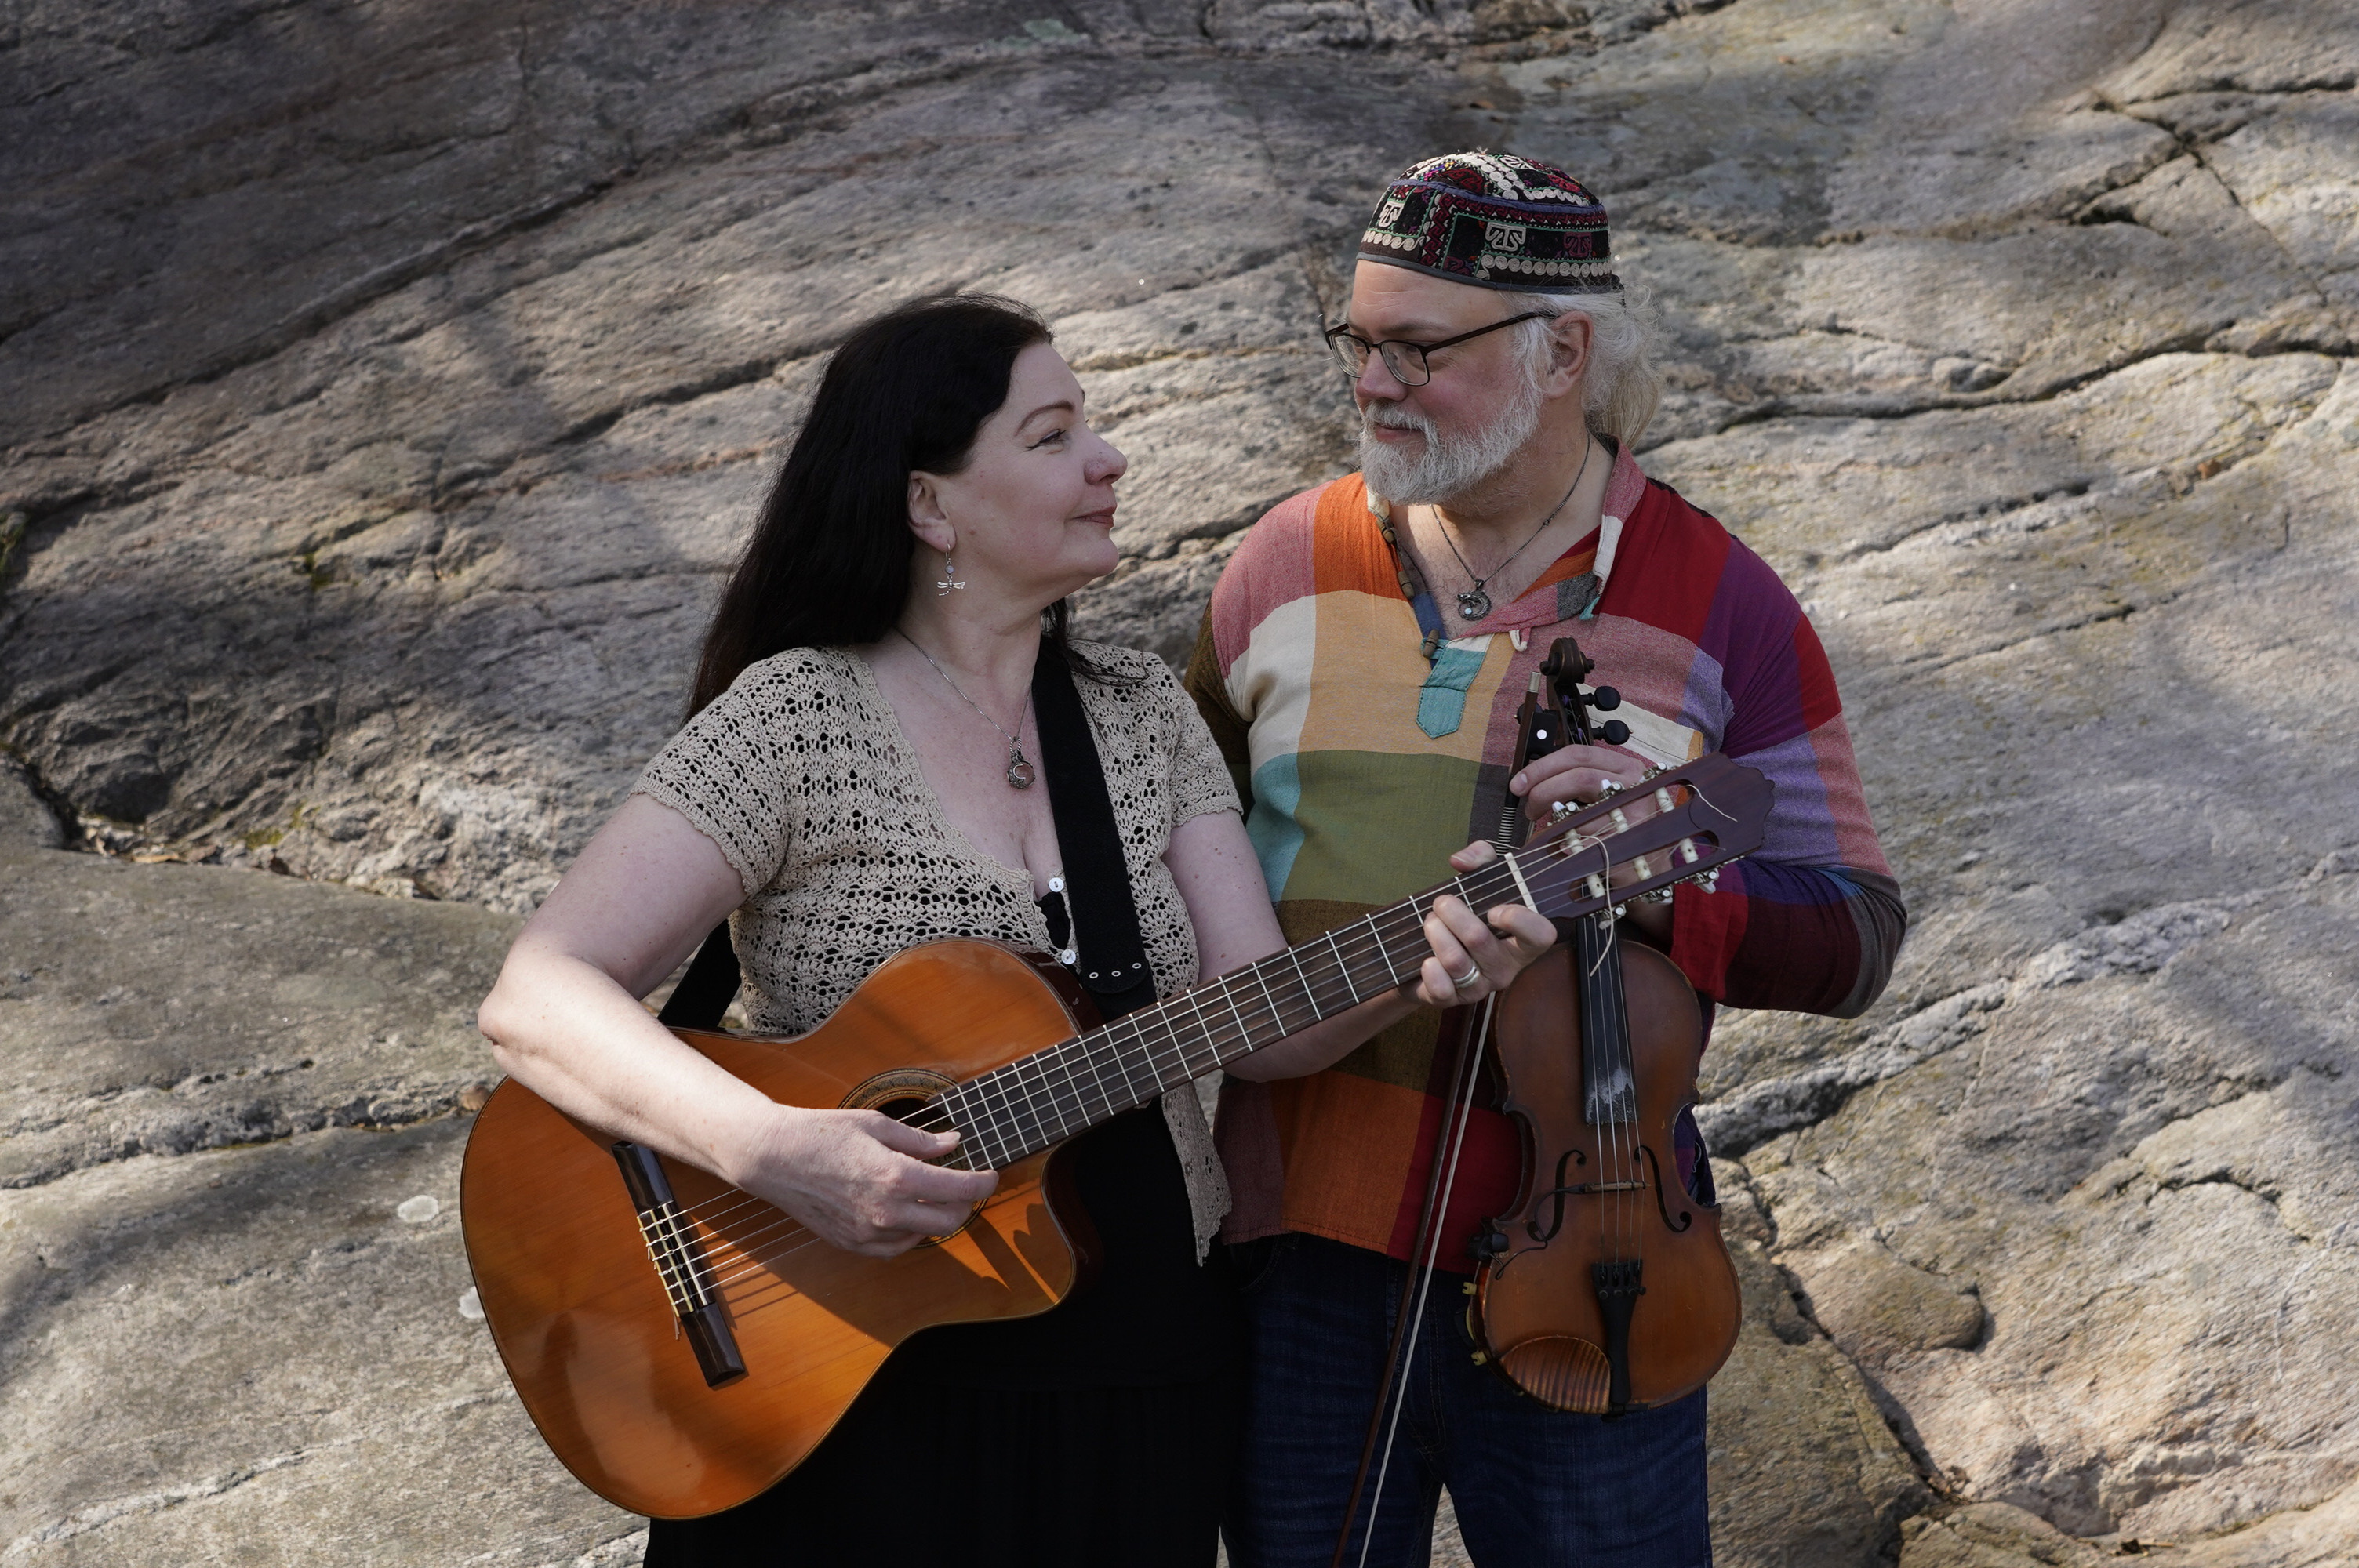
<point>906,1096</point>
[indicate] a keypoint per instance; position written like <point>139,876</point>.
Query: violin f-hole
<point>1561,1188</point>
<point>1662,1199</point>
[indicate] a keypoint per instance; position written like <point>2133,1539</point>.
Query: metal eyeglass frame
<point>1337,337</point>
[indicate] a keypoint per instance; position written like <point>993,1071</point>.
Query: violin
<point>1606,1287</point>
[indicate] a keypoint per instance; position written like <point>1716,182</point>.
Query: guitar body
<point>580,1314</point>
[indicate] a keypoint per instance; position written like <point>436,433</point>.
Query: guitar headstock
<point>1680,825</point>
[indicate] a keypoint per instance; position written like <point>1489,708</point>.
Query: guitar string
<point>935,1115</point>
<point>1195,997</point>
<point>754,1261</point>
<point>744,1245</point>
<point>757,1252</point>
<point>1059,1057</point>
<point>1217,1033</point>
<point>1493,874</point>
<point>695,1210</point>
<point>743,1272</point>
<point>749,1259</point>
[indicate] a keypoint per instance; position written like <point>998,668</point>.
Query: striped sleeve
<point>1812,922</point>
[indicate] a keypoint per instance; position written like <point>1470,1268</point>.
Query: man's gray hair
<point>1623,385</point>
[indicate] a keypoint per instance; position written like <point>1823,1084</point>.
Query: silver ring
<point>1474,973</point>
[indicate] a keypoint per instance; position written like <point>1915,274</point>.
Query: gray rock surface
<point>388,385</point>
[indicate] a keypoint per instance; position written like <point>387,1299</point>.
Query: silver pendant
<point>1019,771</point>
<point>1473,604</point>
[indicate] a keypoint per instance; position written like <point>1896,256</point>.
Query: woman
<point>856,778</point>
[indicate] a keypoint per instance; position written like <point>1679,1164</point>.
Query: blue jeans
<point>1533,1488</point>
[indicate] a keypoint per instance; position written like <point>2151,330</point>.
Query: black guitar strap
<point>1112,957</point>
<point>1113,965</point>
<point>704,992</point>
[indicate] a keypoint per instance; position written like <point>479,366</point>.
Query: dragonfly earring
<point>948,579</point>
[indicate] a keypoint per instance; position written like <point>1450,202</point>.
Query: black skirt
<point>989,1478</point>
<point>1100,1431</point>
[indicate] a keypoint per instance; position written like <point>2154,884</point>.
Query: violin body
<point>1607,1288</point>
<point>1539,1314</point>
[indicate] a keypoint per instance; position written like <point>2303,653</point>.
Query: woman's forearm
<point>576,1037</point>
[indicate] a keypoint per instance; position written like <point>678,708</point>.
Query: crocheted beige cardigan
<point>800,775</point>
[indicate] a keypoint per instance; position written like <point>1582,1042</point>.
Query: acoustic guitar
<point>682,1344</point>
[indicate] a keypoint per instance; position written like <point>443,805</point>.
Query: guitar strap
<point>1112,957</point>
<point>704,992</point>
<point>1112,966</point>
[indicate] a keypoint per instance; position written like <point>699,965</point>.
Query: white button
<point>1056,884</point>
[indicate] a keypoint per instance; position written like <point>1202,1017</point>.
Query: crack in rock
<point>2140,943</point>
<point>97,1516</point>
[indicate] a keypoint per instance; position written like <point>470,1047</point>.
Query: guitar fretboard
<point>1044,1098</point>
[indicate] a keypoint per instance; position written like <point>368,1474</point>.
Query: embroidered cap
<point>1495,220</point>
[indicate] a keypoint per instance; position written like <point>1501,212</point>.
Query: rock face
<point>388,385</point>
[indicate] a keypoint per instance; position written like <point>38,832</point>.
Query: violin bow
<point>1538,721</point>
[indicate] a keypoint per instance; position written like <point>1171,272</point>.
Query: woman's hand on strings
<point>859,1179</point>
<point>1477,954</point>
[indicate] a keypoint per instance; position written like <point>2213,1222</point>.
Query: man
<point>1361,664</point>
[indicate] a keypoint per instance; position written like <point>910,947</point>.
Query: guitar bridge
<point>679,1263</point>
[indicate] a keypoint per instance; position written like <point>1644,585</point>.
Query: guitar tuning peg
<point>1613,732</point>
<point>1606,700</point>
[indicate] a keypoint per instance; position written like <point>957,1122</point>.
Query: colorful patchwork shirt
<point>1364,763</point>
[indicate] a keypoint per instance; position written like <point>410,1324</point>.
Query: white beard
<point>1445,467</point>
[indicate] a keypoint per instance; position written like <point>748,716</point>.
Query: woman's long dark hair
<point>829,561</point>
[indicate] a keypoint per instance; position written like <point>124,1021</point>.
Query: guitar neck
<point>1040,1100</point>
<point>1704,814</point>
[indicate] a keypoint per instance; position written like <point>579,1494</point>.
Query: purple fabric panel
<point>1801,826</point>
<point>1706,702</point>
<point>1751,632</point>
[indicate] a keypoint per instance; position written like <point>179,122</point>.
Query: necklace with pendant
<point>1019,773</point>
<point>1473,603</point>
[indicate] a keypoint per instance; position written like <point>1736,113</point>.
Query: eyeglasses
<point>1404,359</point>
